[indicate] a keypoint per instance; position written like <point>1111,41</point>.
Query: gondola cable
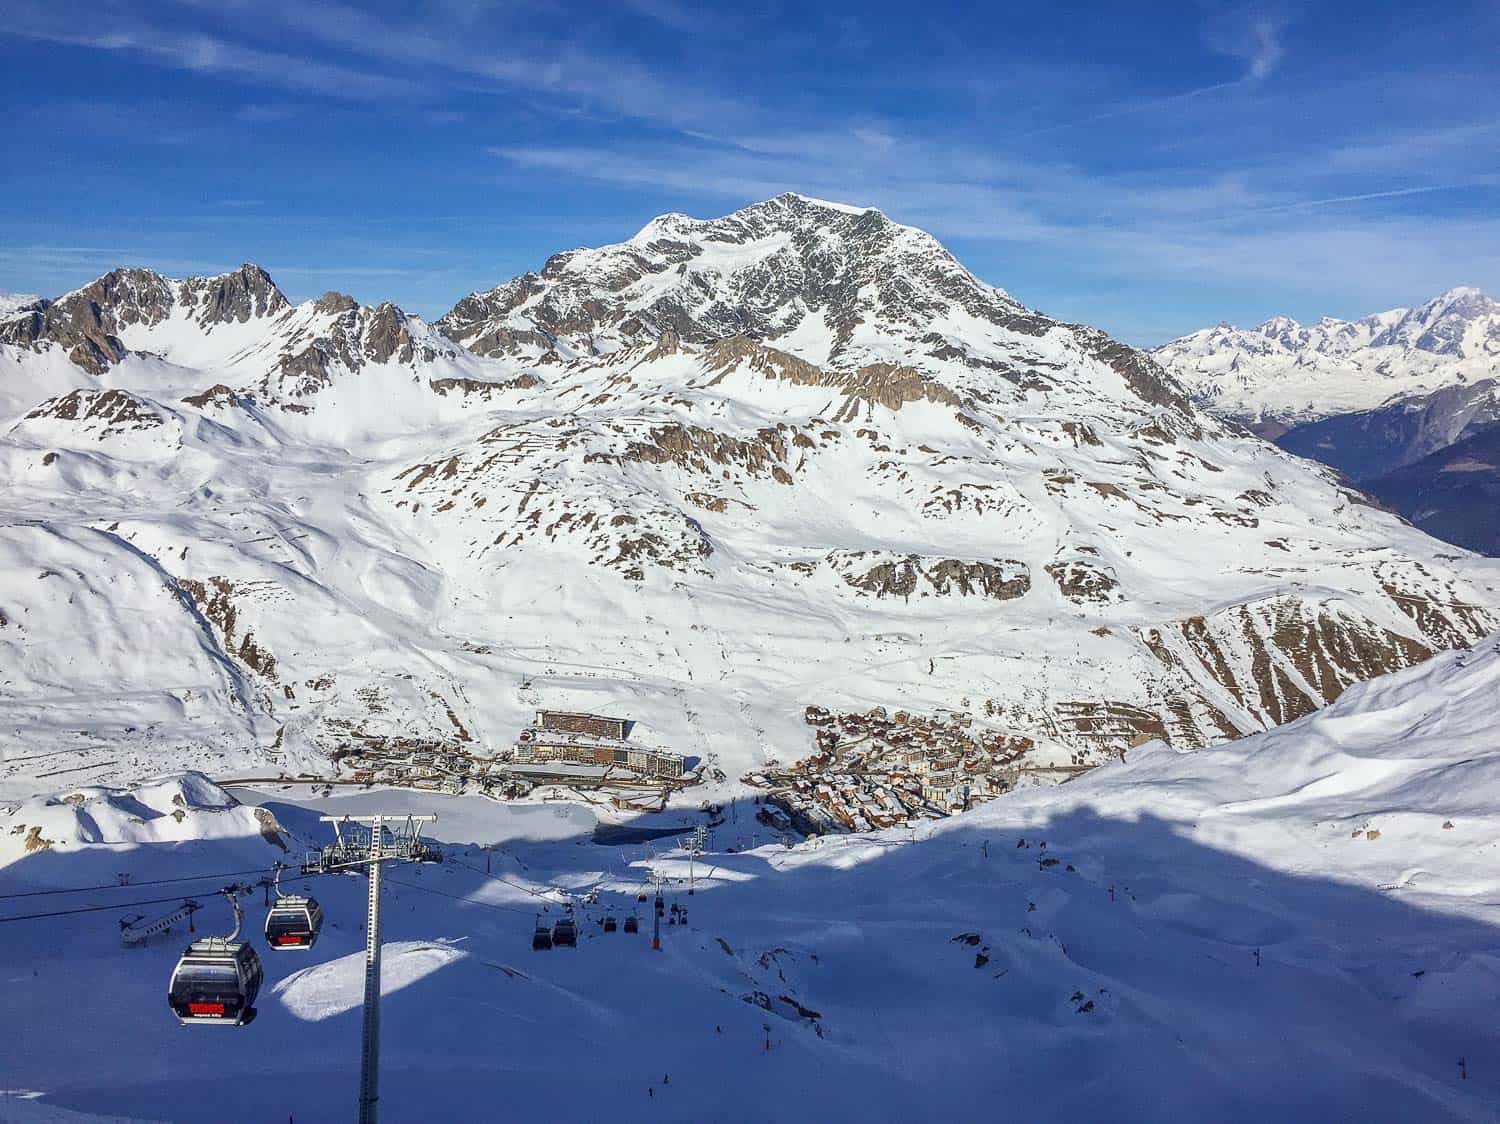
<point>458,897</point>
<point>532,890</point>
<point>134,885</point>
<point>153,901</point>
<point>92,909</point>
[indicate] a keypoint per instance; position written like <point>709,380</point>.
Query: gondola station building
<point>592,739</point>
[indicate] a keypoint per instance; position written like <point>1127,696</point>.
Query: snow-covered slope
<point>706,478</point>
<point>1300,925</point>
<point>1282,373</point>
<point>13,303</point>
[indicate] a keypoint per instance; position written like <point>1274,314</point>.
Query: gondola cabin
<point>632,925</point>
<point>215,983</point>
<point>541,938</point>
<point>293,923</point>
<point>565,933</point>
<point>610,925</point>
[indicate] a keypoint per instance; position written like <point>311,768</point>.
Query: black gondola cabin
<point>215,983</point>
<point>293,923</point>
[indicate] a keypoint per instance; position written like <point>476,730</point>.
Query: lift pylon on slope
<point>378,843</point>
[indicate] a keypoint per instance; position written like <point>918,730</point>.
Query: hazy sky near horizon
<point>1147,168</point>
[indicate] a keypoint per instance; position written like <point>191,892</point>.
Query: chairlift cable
<point>150,901</point>
<point>133,885</point>
<point>533,890</point>
<point>94,908</point>
<point>460,898</point>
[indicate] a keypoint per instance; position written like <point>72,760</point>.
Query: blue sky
<point>1147,168</point>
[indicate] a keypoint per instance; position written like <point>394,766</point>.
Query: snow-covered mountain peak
<point>1465,300</point>
<point>1284,373</point>
<point>1276,326</point>
<point>11,304</point>
<point>136,309</point>
<point>237,325</point>
<point>836,286</point>
<point>237,296</point>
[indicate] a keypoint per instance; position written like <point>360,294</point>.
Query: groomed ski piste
<point>1299,925</point>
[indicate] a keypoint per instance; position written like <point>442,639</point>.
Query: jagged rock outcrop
<point>116,409</point>
<point>885,576</point>
<point>345,335</point>
<point>88,322</point>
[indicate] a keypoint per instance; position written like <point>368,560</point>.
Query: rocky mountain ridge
<point>1282,373</point>
<point>840,287</point>
<point>237,322</point>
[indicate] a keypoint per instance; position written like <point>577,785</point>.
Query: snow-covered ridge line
<point>1281,371</point>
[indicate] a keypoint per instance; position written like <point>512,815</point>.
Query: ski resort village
<point>575,752</point>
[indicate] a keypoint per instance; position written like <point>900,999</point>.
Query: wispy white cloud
<point>1251,35</point>
<point>673,13</point>
<point>1250,32</point>
<point>119,32</point>
<point>1360,197</point>
<point>507,59</point>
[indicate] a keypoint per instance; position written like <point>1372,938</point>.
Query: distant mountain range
<point>11,303</point>
<point>704,478</point>
<point>1383,399</point>
<point>1284,374</point>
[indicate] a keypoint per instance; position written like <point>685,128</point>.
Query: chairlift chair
<point>216,979</point>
